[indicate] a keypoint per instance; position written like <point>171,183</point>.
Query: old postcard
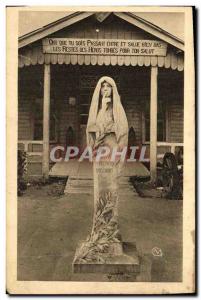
<point>100,150</point>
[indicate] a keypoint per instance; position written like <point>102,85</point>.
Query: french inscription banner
<point>104,46</point>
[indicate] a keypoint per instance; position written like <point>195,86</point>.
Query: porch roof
<point>78,16</point>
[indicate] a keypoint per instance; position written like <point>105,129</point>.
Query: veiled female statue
<point>107,116</point>
<point>107,127</point>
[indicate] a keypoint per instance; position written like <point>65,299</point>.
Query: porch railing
<point>26,146</point>
<point>171,145</point>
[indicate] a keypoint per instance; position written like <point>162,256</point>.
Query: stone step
<point>89,183</point>
<point>82,182</point>
<point>78,191</point>
<point>85,186</point>
<point>90,191</point>
<point>130,188</point>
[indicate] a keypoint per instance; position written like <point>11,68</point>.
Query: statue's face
<point>106,89</point>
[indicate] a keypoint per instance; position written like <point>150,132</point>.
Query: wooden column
<point>46,121</point>
<point>153,123</point>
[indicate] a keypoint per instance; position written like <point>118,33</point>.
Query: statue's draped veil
<point>120,120</point>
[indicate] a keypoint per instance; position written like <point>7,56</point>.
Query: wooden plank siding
<point>134,116</point>
<point>25,120</point>
<point>171,92</point>
<point>30,87</point>
<point>68,118</point>
<point>175,117</point>
<point>112,27</point>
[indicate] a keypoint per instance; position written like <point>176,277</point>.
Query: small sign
<point>104,47</point>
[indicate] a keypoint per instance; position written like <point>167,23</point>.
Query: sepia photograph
<point>101,174</point>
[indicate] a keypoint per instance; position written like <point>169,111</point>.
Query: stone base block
<point>115,262</point>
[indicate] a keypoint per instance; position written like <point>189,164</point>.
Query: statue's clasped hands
<point>105,100</point>
<point>100,127</point>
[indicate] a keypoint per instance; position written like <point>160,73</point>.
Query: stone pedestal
<point>102,251</point>
<point>113,261</point>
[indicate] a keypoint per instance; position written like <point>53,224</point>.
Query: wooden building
<point>56,83</point>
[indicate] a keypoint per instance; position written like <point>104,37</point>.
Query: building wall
<point>134,88</point>
<point>69,117</point>
<point>171,91</point>
<point>175,117</point>
<point>30,87</point>
<point>135,92</point>
<point>134,81</point>
<point>134,117</point>
<point>73,81</point>
<point>25,119</point>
